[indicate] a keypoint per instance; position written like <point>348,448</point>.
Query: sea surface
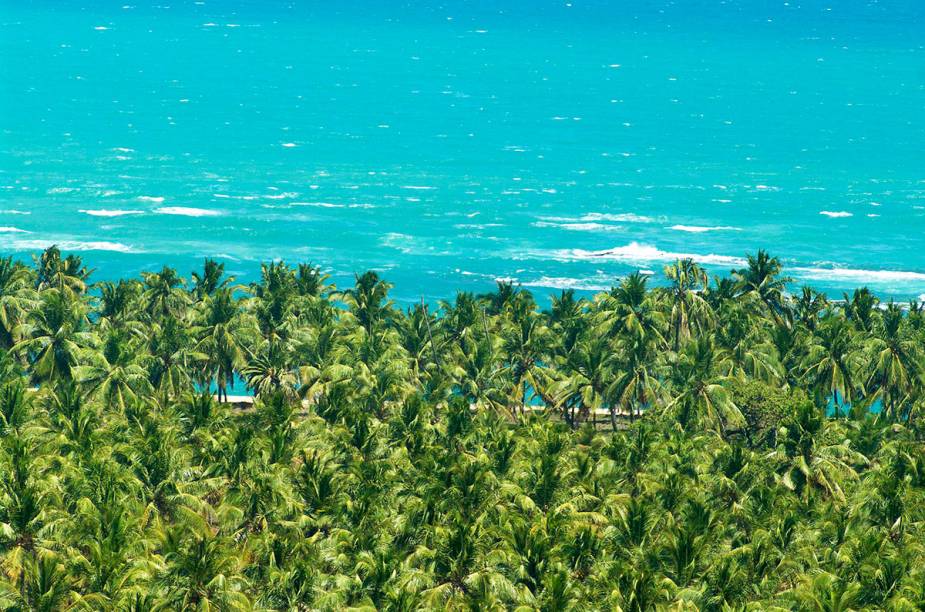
<point>448,144</point>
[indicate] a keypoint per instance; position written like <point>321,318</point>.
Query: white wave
<point>557,282</point>
<point>859,276</point>
<point>418,187</point>
<point>643,253</point>
<point>13,211</point>
<point>226,196</point>
<point>289,145</point>
<point>594,217</point>
<point>580,227</point>
<point>103,212</point>
<point>13,230</point>
<point>56,190</point>
<point>621,217</point>
<point>155,199</point>
<point>318,204</point>
<point>697,229</point>
<point>100,28</point>
<point>186,211</point>
<point>836,214</point>
<point>71,245</point>
<point>400,242</point>
<point>124,150</point>
<point>282,196</point>
<point>477,226</point>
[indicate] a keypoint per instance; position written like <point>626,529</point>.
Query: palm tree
<point>67,275</point>
<point>524,339</point>
<point>860,308</point>
<point>628,311</point>
<point>832,362</point>
<point>221,333</point>
<point>762,278</point>
<point>581,393</point>
<point>54,336</point>
<point>368,300</point>
<point>701,393</point>
<point>896,365</point>
<point>16,299</point>
<point>211,280</point>
<point>163,295</point>
<point>689,310</point>
<point>269,371</point>
<point>636,383</point>
<point>119,304</point>
<point>114,373</point>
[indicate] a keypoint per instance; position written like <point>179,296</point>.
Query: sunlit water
<point>449,144</point>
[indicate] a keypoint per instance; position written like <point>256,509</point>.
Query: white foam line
<point>836,214</point>
<point>71,245</point>
<point>155,199</point>
<point>556,282</point>
<point>186,211</point>
<point>618,218</point>
<point>642,253</point>
<point>102,212</point>
<point>580,227</point>
<point>856,275</point>
<point>697,229</point>
<point>318,204</point>
<point>13,230</point>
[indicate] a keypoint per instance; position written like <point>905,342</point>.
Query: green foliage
<point>764,407</point>
<point>697,445</point>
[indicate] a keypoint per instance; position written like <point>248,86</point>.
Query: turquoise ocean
<point>448,144</point>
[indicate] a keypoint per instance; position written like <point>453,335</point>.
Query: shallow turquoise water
<point>449,144</point>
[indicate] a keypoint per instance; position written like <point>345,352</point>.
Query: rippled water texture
<point>558,144</point>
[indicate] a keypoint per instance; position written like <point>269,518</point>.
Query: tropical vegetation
<point>684,443</point>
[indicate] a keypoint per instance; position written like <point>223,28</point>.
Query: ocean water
<point>447,144</point>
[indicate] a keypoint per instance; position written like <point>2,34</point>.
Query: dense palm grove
<point>714,444</point>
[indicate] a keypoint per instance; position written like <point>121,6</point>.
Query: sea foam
<point>71,245</point>
<point>859,276</point>
<point>697,229</point>
<point>580,227</point>
<point>186,211</point>
<point>103,212</point>
<point>635,252</point>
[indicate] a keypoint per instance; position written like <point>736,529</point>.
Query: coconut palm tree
<point>635,383</point>
<point>896,367</point>
<point>833,362</point>
<point>16,299</point>
<point>222,330</point>
<point>762,278</point>
<point>66,274</point>
<point>54,336</point>
<point>163,294</point>
<point>689,310</point>
<point>379,466</point>
<point>700,392</point>
<point>114,373</point>
<point>211,280</point>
